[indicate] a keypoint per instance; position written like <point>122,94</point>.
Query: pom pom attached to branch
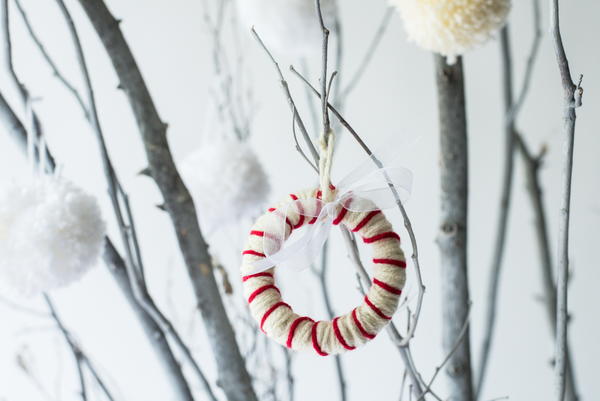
<point>288,26</point>
<point>227,182</point>
<point>51,234</point>
<point>452,27</point>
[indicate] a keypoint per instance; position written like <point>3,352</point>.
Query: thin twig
<point>55,70</point>
<point>298,147</point>
<point>322,276</point>
<point>78,354</point>
<point>407,222</point>
<point>438,369</point>
<point>512,110</point>
<point>531,59</point>
<point>532,166</point>
<point>365,282</point>
<point>506,191</point>
<point>290,99</point>
<point>572,99</point>
<point>324,55</point>
<point>353,82</point>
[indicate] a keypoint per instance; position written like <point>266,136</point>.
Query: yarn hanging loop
<point>326,144</point>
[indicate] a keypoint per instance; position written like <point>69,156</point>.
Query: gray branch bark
<point>534,189</point>
<point>571,98</point>
<point>233,375</point>
<point>452,239</point>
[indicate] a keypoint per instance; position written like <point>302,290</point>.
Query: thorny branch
<point>572,99</point>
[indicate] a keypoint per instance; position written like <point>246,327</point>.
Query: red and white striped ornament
<point>344,333</point>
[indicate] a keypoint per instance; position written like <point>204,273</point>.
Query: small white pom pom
<point>51,234</point>
<point>288,26</point>
<point>227,182</point>
<point>452,27</point>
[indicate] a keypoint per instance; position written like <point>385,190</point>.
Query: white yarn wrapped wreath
<point>344,333</point>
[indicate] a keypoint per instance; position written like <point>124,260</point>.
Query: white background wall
<point>394,105</point>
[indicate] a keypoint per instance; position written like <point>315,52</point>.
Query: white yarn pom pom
<point>227,182</point>
<point>51,234</point>
<point>288,26</point>
<point>452,27</point>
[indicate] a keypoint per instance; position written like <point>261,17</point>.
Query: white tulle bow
<point>367,188</point>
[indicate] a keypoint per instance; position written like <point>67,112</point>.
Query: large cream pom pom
<point>452,27</point>
<point>51,234</point>
<point>227,182</point>
<point>288,26</point>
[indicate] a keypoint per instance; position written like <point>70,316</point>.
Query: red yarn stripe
<point>376,309</point>
<point>251,252</point>
<point>287,221</point>
<point>293,329</point>
<point>301,210</point>
<point>378,237</point>
<point>387,287</point>
<point>263,274</point>
<point>338,335</point>
<point>257,233</point>
<point>261,290</point>
<point>360,326</point>
<point>366,220</point>
<point>342,213</point>
<point>393,262</point>
<point>269,311</point>
<point>315,343</point>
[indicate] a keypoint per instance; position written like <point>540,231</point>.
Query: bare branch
<point>452,237</point>
<point>438,369</point>
<point>286,90</point>
<point>80,357</point>
<point>233,375</point>
<point>56,71</point>
<point>506,191</point>
<point>572,99</point>
<point>324,54</point>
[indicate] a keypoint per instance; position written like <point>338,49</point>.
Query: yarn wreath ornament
<point>355,204</point>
